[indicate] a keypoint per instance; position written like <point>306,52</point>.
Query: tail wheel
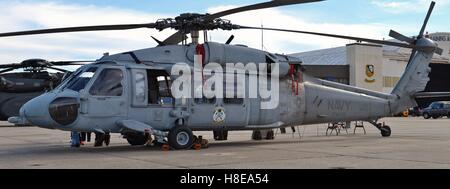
<point>181,138</point>
<point>136,139</point>
<point>426,116</point>
<point>385,131</point>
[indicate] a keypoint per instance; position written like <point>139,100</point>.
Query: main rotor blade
<point>69,63</point>
<point>401,37</point>
<point>7,70</point>
<point>390,43</point>
<point>14,65</point>
<point>80,29</point>
<point>270,4</point>
<point>425,22</point>
<point>57,69</point>
<point>175,38</point>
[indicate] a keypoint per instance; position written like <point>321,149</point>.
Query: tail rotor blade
<point>425,22</point>
<point>401,37</point>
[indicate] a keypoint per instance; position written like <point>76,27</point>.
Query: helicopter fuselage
<point>18,88</point>
<point>135,87</point>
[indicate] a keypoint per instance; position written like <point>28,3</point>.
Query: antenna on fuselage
<point>262,36</point>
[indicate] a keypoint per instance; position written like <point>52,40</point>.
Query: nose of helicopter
<point>36,111</point>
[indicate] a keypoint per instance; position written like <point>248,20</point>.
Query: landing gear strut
<point>385,130</point>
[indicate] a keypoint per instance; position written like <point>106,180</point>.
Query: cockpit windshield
<point>80,79</point>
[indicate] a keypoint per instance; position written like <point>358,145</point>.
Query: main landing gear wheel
<point>136,139</point>
<point>181,138</point>
<point>385,131</point>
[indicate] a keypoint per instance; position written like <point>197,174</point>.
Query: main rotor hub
<point>188,22</point>
<point>35,63</point>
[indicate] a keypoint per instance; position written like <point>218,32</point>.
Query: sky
<point>361,18</point>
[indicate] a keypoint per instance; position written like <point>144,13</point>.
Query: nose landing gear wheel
<point>181,138</point>
<point>385,131</point>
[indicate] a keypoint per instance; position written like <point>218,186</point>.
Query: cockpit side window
<point>108,83</point>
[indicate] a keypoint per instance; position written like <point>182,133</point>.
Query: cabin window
<point>108,83</point>
<point>140,87</point>
<point>159,84</point>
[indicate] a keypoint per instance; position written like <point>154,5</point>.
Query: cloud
<point>91,45</point>
<point>85,45</point>
<point>289,42</point>
<point>405,6</point>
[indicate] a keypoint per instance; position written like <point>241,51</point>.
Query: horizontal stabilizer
<point>432,94</point>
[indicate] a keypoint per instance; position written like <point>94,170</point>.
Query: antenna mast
<point>262,36</point>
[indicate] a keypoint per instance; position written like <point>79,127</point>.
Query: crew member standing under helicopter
<point>75,139</point>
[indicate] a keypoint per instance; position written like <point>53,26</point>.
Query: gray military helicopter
<point>130,93</point>
<point>18,87</point>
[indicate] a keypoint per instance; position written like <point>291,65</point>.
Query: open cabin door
<point>151,100</point>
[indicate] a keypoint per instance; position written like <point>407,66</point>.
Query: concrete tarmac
<point>415,144</point>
